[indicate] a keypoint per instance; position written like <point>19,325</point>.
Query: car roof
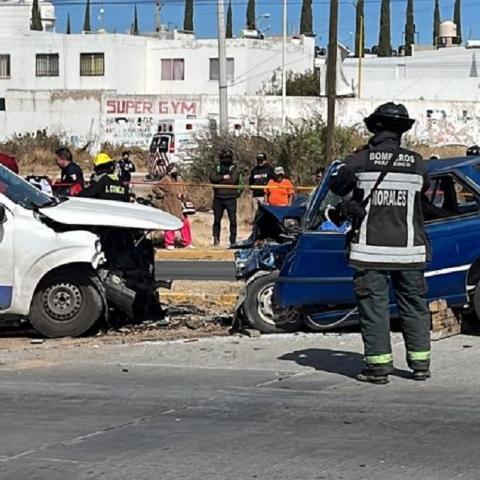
<point>448,164</point>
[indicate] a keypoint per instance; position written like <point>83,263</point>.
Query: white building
<point>52,80</point>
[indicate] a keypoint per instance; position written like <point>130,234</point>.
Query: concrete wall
<point>99,116</point>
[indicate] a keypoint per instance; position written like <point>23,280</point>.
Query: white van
<point>54,252</point>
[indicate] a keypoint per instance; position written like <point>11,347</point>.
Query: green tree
<point>86,18</point>
<point>457,18</point>
<point>436,23</point>
<point>360,28</point>
<point>306,27</point>
<point>36,17</point>
<point>384,43</point>
<point>69,28</point>
<point>188,18</point>
<point>229,29</point>
<point>409,30</point>
<point>251,24</point>
<point>135,30</point>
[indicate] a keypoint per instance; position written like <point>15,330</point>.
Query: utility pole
<point>360,58</point>
<point>332,79</point>
<point>284,67</point>
<point>222,64</point>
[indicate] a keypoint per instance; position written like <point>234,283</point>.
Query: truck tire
<point>67,303</point>
<point>262,314</point>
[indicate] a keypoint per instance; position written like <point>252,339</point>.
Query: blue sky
<point>119,16</point>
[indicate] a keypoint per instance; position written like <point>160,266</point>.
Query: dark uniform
<point>225,198</point>
<point>388,245</point>
<point>72,178</point>
<point>107,187</point>
<point>125,168</point>
<point>260,175</point>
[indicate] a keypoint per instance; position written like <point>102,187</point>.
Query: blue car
<point>316,280</point>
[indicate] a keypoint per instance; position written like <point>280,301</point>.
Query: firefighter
<point>226,173</point>
<point>105,184</point>
<point>387,243</point>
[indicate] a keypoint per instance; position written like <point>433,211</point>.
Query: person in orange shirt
<point>279,191</point>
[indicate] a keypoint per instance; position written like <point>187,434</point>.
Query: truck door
<point>7,258</point>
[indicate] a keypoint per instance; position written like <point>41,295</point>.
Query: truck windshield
<point>21,192</point>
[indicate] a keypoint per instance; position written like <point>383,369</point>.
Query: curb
<point>200,254</point>
<point>222,300</point>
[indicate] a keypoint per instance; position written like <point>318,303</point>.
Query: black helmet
<point>261,157</point>
<point>473,151</point>
<point>389,116</point>
<point>225,154</point>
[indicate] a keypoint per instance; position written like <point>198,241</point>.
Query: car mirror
<point>3,215</point>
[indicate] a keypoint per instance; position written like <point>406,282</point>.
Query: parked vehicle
<point>316,278</point>
<point>67,261</point>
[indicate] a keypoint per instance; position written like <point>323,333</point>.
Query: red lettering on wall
<point>147,107</point>
<point>111,106</point>
<point>163,108</point>
<point>189,108</point>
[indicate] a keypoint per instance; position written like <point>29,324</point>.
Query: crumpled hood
<point>106,213</point>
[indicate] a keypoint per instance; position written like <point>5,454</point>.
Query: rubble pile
<point>176,318</point>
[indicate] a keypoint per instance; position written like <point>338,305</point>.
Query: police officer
<point>388,242</point>
<point>260,175</point>
<point>105,184</point>
<point>226,173</point>
<point>125,167</point>
<point>71,178</point>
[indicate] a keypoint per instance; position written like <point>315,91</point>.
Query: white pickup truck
<point>64,262</point>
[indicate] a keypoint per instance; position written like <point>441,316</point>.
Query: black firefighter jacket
<point>392,235</point>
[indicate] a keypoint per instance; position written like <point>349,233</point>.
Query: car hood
<point>87,211</point>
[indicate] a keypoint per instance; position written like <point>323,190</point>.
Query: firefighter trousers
<point>372,291</point>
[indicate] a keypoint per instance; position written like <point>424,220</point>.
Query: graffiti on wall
<point>132,120</point>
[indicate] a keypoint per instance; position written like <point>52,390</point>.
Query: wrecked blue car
<point>314,284</point>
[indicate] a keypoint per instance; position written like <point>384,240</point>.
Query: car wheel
<point>262,314</point>
<point>66,303</point>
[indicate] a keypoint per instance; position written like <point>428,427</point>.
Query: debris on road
<point>189,316</point>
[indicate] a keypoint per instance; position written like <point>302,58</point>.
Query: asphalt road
<point>195,270</point>
<point>277,407</point>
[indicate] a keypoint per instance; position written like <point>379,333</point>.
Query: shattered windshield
<point>320,199</point>
<point>21,192</point>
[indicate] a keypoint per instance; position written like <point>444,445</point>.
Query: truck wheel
<point>66,304</point>
<point>262,314</point>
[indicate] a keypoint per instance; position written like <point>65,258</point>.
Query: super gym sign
<point>132,120</point>
<point>160,106</point>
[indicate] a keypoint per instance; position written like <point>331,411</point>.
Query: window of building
<point>215,69</point>
<point>173,69</point>
<point>47,65</point>
<point>4,66</point>
<point>2,104</point>
<point>92,64</point>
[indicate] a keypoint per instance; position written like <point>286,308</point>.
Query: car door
<point>453,237</point>
<point>7,268</point>
<point>316,272</point>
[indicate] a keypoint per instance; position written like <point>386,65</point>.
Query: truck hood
<point>106,213</point>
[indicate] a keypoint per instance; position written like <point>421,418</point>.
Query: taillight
<point>172,145</point>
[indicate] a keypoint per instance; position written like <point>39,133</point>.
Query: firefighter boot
<point>375,374</point>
